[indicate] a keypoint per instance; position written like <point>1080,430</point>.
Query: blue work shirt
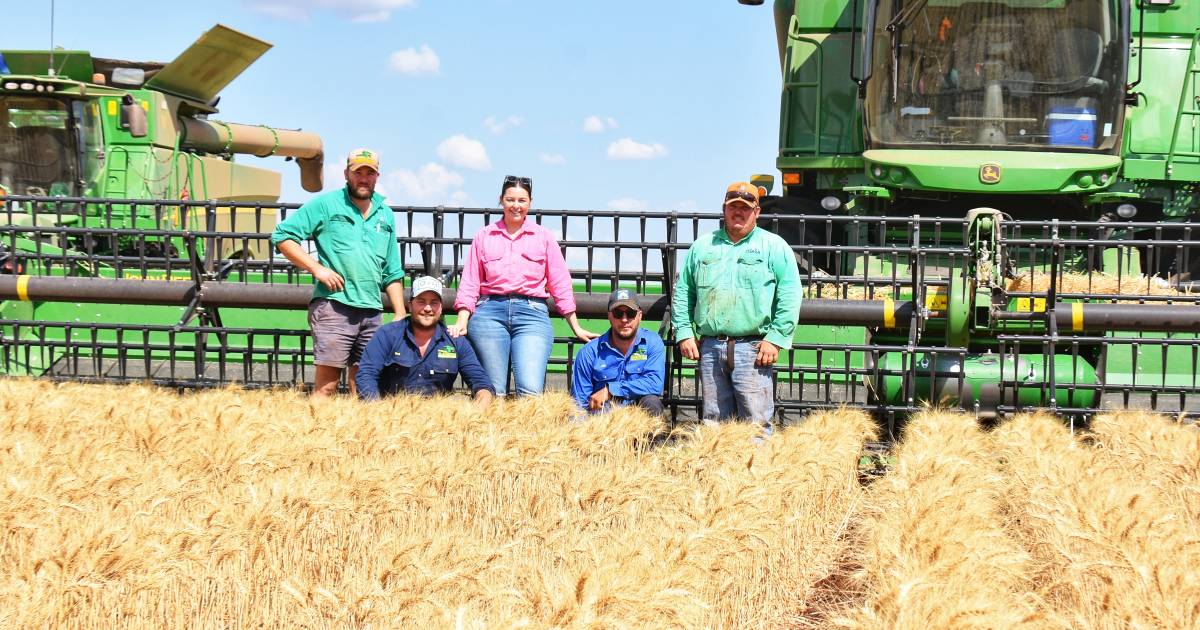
<point>392,363</point>
<point>628,377</point>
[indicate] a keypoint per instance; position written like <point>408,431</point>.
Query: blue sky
<point>622,104</point>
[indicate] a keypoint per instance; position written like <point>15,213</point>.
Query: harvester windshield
<point>40,140</point>
<point>1011,74</point>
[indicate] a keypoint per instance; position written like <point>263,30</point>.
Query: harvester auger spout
<point>214,136</point>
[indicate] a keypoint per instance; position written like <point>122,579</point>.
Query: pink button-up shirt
<point>526,263</point>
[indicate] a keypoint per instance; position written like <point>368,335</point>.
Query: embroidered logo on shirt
<point>447,352</point>
<point>638,355</point>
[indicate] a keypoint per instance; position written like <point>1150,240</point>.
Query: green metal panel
<point>1152,121</point>
<point>1179,18</point>
<point>1025,378</point>
<point>1150,363</point>
<point>209,64</point>
<point>1018,171</point>
<point>814,17</point>
<point>74,64</point>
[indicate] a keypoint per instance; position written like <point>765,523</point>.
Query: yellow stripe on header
<point>889,313</point>
<point>1077,317</point>
<point>23,288</point>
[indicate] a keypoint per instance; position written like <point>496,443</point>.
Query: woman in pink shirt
<point>512,267</point>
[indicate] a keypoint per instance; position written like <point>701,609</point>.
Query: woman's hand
<point>585,335</point>
<point>582,333</point>
<point>460,325</point>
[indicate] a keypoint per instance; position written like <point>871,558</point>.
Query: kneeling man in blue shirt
<point>417,355</point>
<point>624,366</point>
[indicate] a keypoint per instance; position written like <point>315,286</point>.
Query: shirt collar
<point>439,333</point>
<point>376,202</point>
<point>723,235</point>
<point>498,227</point>
<point>606,339</point>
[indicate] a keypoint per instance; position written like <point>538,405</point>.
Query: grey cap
<point>623,297</point>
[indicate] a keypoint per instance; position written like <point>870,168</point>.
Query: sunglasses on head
<point>623,313</point>
<point>523,182</point>
<point>731,195</point>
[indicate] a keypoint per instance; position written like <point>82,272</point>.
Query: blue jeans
<point>512,331</point>
<point>747,392</point>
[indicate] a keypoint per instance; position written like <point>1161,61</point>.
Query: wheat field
<point>136,507</point>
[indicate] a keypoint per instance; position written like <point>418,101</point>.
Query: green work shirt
<point>748,288</point>
<point>362,251</point>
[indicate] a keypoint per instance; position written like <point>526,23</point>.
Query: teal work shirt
<point>748,288</point>
<point>362,251</point>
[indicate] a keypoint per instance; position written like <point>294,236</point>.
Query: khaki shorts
<point>340,332</point>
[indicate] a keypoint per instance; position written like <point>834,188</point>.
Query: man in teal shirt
<point>355,234</point>
<point>739,293</point>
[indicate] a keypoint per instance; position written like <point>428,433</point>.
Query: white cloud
<point>552,158</point>
<point>596,124</point>
<point>628,149</point>
<point>460,150</point>
<point>628,204</point>
<point>415,62</point>
<point>495,125</point>
<point>432,183</point>
<point>353,10</point>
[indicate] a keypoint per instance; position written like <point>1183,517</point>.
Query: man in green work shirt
<point>357,255</point>
<point>739,293</point>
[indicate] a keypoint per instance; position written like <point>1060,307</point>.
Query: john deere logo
<point>989,173</point>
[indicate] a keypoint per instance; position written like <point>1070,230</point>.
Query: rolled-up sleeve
<point>468,281</point>
<point>393,271</point>
<point>786,308</point>
<point>300,225</point>
<point>558,277</point>
<point>374,358</point>
<point>684,299</point>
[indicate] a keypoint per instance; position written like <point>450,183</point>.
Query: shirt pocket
<point>342,232</point>
<point>708,272</point>
<point>382,233</point>
<point>533,265</point>
<point>753,272</point>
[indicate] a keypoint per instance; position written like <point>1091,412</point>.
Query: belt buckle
<point>722,337</point>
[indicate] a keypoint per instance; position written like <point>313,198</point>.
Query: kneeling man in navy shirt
<point>417,355</point>
<point>624,366</point>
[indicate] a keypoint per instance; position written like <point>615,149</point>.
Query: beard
<point>354,191</point>
<point>617,333</point>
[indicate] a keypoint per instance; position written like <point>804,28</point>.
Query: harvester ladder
<point>793,87</point>
<point>1191,71</point>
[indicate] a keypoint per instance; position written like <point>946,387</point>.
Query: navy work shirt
<point>628,377</point>
<point>392,363</point>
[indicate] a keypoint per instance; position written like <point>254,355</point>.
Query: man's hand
<point>689,349</point>
<point>767,354</point>
<point>329,278</point>
<point>483,399</point>
<point>596,401</point>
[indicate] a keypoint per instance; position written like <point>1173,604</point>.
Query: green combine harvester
<point>993,204</point>
<point>1016,181</point>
